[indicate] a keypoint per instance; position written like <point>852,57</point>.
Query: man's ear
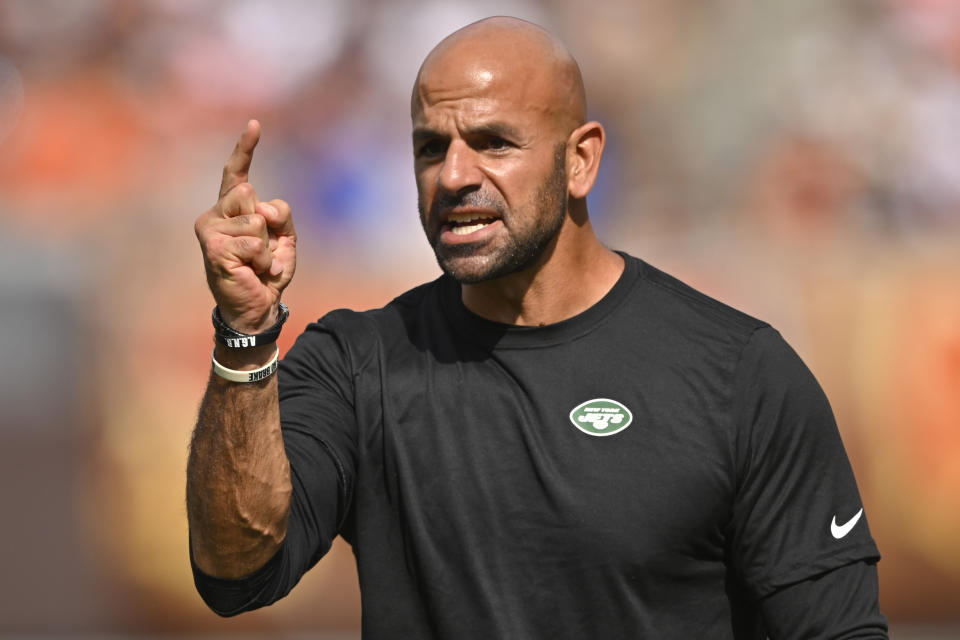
<point>584,149</point>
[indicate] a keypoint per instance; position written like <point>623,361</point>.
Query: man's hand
<point>249,247</point>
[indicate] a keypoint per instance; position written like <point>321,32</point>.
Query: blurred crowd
<point>799,160</point>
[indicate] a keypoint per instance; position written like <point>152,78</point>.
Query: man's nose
<point>460,170</point>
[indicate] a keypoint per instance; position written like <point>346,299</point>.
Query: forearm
<point>238,476</point>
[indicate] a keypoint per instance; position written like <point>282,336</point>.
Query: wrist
<point>240,325</point>
<point>258,374</point>
<point>244,359</point>
<point>231,337</point>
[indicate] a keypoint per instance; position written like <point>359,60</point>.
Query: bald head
<point>503,155</point>
<point>508,56</point>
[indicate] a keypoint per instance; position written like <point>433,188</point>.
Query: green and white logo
<point>601,417</point>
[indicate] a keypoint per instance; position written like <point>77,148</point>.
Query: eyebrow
<point>496,128</point>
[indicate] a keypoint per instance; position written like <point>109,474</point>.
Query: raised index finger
<point>237,168</point>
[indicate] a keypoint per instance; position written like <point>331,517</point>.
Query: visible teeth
<point>465,229</point>
<point>465,217</point>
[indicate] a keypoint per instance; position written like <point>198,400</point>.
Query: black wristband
<point>230,337</point>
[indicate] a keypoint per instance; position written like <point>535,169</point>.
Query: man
<point>552,440</point>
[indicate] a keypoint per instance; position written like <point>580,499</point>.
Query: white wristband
<point>256,375</point>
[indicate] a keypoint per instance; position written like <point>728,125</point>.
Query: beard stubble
<point>524,244</point>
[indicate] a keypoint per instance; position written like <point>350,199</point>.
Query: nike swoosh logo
<point>841,530</point>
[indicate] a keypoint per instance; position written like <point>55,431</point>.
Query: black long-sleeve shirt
<point>658,466</point>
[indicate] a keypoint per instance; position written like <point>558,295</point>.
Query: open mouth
<point>466,223</point>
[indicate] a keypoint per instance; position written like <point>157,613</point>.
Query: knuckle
<point>250,245</point>
<point>257,223</point>
<point>245,190</point>
<point>213,245</point>
<point>202,224</point>
<point>252,224</point>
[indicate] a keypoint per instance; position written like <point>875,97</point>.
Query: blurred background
<point>799,160</point>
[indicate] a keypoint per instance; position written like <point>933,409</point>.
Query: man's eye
<point>432,148</point>
<point>497,144</point>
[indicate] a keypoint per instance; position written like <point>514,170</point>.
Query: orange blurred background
<point>798,160</point>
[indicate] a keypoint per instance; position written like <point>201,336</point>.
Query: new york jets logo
<point>601,417</point>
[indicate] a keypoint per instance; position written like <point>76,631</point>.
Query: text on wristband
<point>238,343</point>
<point>263,374</point>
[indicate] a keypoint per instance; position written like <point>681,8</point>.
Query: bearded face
<point>477,235</point>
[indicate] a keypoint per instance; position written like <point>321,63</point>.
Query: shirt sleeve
<point>319,435</point>
<point>797,511</point>
<point>838,605</point>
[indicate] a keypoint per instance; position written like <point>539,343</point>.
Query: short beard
<point>524,247</point>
